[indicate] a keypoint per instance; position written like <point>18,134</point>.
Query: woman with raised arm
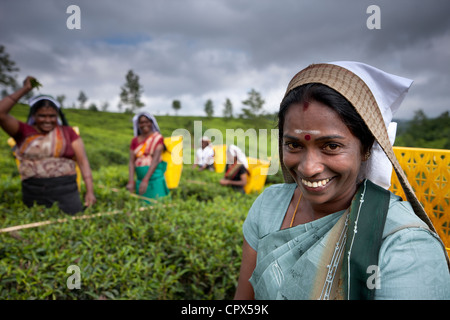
<point>48,149</point>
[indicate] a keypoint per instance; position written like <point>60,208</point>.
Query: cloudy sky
<point>194,50</point>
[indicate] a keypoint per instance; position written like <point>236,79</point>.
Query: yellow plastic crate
<point>174,158</point>
<point>428,172</point>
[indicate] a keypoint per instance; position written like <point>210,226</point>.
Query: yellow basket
<point>12,143</point>
<point>174,158</point>
<point>257,168</point>
<point>220,157</point>
<point>428,172</point>
<point>258,174</point>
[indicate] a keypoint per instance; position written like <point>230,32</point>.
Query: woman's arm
<point>244,289</point>
<point>130,184</point>
<point>83,163</point>
<point>240,183</point>
<point>8,122</point>
<point>156,159</point>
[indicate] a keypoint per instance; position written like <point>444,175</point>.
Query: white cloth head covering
<point>205,138</point>
<point>148,116</point>
<point>38,98</point>
<point>235,151</point>
<point>375,95</point>
<point>389,91</point>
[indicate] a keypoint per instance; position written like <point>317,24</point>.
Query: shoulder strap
<point>364,236</point>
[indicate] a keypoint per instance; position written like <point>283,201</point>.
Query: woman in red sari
<point>146,149</point>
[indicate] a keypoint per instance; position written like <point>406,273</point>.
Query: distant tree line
<point>420,132</point>
<point>424,132</point>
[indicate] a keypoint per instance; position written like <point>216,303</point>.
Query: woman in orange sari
<point>146,149</point>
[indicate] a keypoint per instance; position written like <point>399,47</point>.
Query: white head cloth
<point>205,138</point>
<point>235,151</point>
<point>38,98</point>
<point>148,116</point>
<point>389,91</point>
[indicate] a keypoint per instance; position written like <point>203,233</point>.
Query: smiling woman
<point>145,161</point>
<point>322,234</point>
<point>48,149</point>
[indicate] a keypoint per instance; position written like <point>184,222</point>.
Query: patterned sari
<point>41,155</point>
<point>144,154</point>
<point>47,175</point>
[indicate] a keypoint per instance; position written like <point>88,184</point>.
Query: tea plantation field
<point>187,246</point>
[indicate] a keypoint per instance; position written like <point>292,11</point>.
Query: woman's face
<point>46,119</point>
<point>145,125</point>
<point>321,154</point>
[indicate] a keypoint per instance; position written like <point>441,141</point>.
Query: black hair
<point>47,103</point>
<point>333,99</point>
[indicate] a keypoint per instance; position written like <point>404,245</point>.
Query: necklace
<point>293,217</point>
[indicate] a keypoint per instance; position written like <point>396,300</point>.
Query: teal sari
<point>157,186</point>
<point>144,153</point>
<point>335,257</point>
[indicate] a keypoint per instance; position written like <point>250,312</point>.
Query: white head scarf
<point>148,116</point>
<point>235,151</point>
<point>376,96</point>
<point>389,91</point>
<point>38,98</point>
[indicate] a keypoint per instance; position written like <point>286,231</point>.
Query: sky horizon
<point>195,50</point>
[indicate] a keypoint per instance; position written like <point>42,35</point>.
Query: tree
<point>255,102</point>
<point>92,107</point>
<point>105,106</point>
<point>228,109</point>
<point>7,68</point>
<point>82,98</point>
<point>209,108</point>
<point>61,99</point>
<point>131,91</point>
<point>424,132</point>
<point>176,105</point>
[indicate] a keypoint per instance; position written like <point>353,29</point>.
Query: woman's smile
<point>322,155</point>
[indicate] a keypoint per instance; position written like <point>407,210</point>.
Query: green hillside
<point>187,246</point>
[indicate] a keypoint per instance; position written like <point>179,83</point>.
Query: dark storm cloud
<point>200,49</point>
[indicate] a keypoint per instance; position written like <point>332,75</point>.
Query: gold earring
<point>367,156</point>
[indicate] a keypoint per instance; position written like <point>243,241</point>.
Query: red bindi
<point>305,105</point>
<point>307,137</point>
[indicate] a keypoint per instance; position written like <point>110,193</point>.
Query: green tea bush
<point>187,246</point>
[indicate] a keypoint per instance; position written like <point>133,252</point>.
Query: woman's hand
<point>130,186</point>
<point>89,199</point>
<point>143,186</point>
<point>27,83</point>
<point>224,182</point>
